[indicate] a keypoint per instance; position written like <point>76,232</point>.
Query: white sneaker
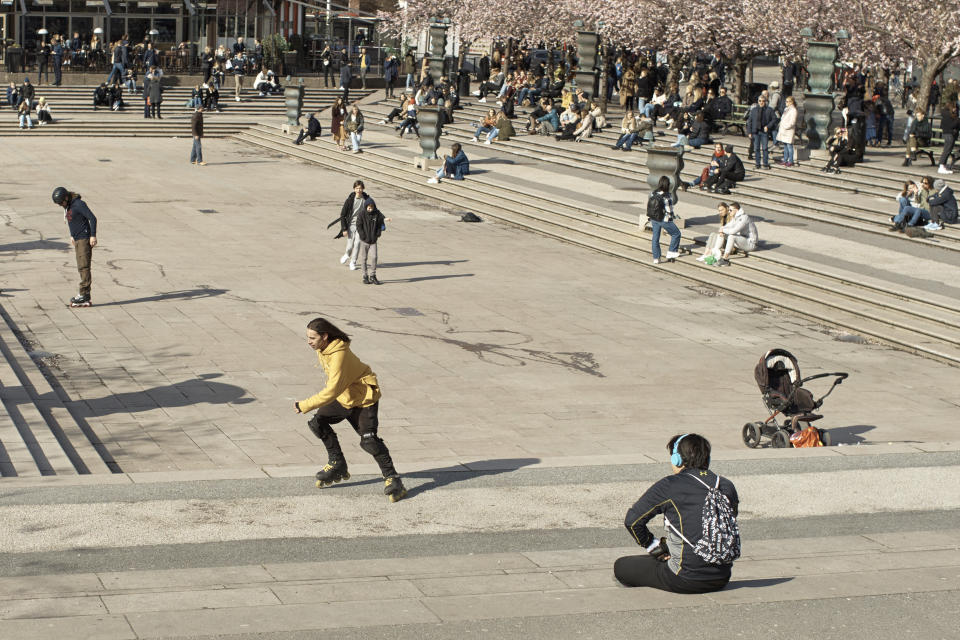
<point>943,169</point>
<point>933,226</point>
<point>673,255</point>
<point>344,258</point>
<point>656,261</point>
<point>383,122</point>
<point>484,99</point>
<point>701,258</point>
<point>474,139</point>
<point>353,266</point>
<point>487,141</point>
<point>433,181</point>
<point>476,93</point>
<point>237,98</point>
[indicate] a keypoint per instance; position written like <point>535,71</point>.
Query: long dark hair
<point>322,325</point>
<point>663,184</point>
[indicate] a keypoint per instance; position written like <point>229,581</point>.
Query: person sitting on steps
<point>910,211</point>
<point>455,166</point>
<point>740,232</point>
<point>919,134</point>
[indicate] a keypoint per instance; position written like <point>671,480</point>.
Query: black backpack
<point>656,209</point>
<point>719,541</point>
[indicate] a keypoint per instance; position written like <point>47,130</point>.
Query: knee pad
<point>370,443</point>
<point>318,427</point>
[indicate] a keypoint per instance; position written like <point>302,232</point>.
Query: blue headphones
<point>675,458</point>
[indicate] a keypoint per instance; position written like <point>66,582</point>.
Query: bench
<point>935,147</point>
<point>736,120</point>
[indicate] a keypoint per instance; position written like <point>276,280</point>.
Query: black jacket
<point>645,86</point>
<point>313,127</point>
<point>946,200</point>
<point>759,118</point>
<point>82,222</point>
<point>680,499</point>
<point>370,225</point>
<point>150,59</point>
<point>949,124</point>
<point>733,168</point>
<point>347,211</point>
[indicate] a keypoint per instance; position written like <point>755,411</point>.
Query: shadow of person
<point>423,278</point>
<point>442,478</point>
<point>754,584</point>
<point>397,265</point>
<point>31,245</point>
<point>181,394</point>
<point>436,478</point>
<point>849,435</point>
<point>186,294</point>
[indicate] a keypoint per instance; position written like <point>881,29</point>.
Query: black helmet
<point>59,195</point>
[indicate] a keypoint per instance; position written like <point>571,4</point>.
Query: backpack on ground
<point>720,539</point>
<point>656,209</point>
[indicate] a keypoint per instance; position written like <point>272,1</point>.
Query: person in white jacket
<point>741,233</point>
<point>787,131</point>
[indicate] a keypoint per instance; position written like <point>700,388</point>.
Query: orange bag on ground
<point>809,437</point>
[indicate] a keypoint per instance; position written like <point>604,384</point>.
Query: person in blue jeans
<point>760,121</point>
<point>664,211</point>
<point>909,215</point>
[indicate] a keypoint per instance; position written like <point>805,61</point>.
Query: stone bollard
<point>430,130</point>
<point>665,161</point>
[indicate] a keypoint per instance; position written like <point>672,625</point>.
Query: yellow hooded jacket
<point>349,381</point>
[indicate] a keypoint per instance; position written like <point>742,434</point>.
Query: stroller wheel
<point>781,439</point>
<point>825,438</point>
<point>751,434</point>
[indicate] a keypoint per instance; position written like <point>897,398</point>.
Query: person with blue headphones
<point>675,562</point>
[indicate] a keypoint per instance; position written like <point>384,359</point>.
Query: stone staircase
<point>74,115</point>
<point>38,435</point>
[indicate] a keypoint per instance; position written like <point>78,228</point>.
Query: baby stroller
<point>778,376</point>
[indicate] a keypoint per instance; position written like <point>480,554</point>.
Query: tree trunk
<point>740,79</point>
<point>933,66</point>
<point>604,62</point>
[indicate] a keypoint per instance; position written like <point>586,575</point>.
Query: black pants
<point>155,110</point>
<point>364,421</point>
<point>647,571</point>
<point>57,71</point>
<point>327,75</point>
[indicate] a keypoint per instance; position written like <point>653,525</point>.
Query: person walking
<point>196,128</point>
<point>660,213</point>
<point>686,560</point>
<point>352,393</point>
<point>349,213</point>
<point>354,126</point>
<point>83,237</point>
<point>237,63</point>
<point>346,75</point>
<point>370,224</point>
<point>364,67</point>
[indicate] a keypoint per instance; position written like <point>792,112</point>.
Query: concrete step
<point>884,317</point>
<point>38,434</point>
<point>852,212</point>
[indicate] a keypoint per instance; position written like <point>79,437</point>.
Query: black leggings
<point>364,421</point>
<point>647,571</point>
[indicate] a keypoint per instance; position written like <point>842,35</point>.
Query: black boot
<point>393,487</point>
<point>906,162</point>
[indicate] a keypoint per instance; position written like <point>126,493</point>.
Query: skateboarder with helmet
<point>83,237</point>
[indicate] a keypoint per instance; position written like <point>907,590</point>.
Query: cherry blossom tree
<point>883,31</point>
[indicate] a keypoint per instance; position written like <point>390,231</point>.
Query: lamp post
<point>818,102</point>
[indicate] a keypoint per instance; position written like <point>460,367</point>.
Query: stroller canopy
<point>777,371</point>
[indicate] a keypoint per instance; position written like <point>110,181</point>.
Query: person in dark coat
<point>346,75</point>
<point>101,96</point>
<point>150,58</point>
<point>455,166</point>
<point>950,125</point>
<point>313,130</point>
<point>153,91</point>
<point>206,63</point>
<point>390,70</point>
<point>27,91</point>
<point>57,62</point>
<point>760,119</point>
<point>83,237</point>
<point>729,172</point>
<point>43,61</point>
<point>943,206</point>
<point>196,130</point>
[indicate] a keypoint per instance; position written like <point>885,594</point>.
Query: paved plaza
<point>529,389</point>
